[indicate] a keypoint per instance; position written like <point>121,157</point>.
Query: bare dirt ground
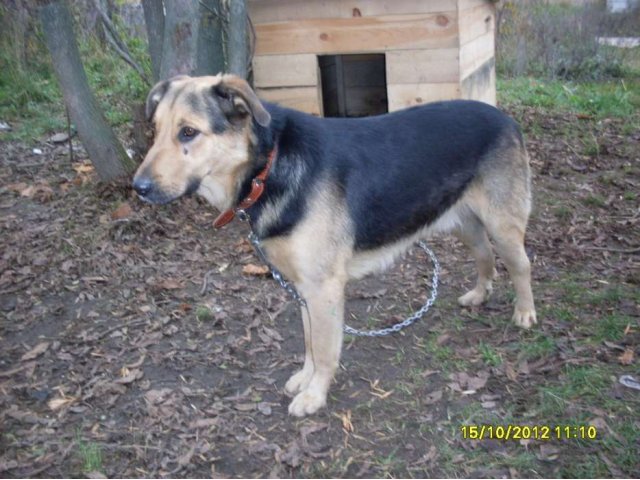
<point>137,341</point>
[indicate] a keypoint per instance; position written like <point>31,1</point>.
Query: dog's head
<point>203,139</point>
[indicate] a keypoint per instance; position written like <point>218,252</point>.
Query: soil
<point>138,341</point>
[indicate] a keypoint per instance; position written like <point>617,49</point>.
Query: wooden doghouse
<point>356,58</point>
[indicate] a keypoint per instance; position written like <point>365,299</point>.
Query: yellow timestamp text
<point>529,432</point>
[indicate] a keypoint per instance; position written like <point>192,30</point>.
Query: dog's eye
<point>187,133</point>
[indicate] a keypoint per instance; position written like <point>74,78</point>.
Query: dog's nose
<point>142,186</point>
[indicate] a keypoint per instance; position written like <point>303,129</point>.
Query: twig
<point>252,46</point>
<point>118,45</point>
<point>207,7</point>
<point>611,249</point>
<point>205,282</point>
<point>71,159</point>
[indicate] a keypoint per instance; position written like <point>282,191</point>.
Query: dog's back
<point>401,171</point>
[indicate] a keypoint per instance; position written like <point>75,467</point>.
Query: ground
<point>137,341</point>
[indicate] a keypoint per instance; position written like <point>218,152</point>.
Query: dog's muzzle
<point>148,192</point>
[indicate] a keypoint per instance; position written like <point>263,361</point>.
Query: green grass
<point>541,345</point>
<point>90,455</point>
<point>619,98</point>
<point>611,327</point>
<point>203,313</point>
<point>490,356</point>
<point>31,100</point>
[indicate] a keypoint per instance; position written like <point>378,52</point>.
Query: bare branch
<point>118,44</point>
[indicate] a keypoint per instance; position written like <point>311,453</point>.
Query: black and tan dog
<point>335,199</point>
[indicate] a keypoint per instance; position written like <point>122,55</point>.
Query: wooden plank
<point>402,96</point>
<point>306,99</point>
<point>358,35</point>
<point>475,53</point>
<point>423,66</point>
<point>481,84</point>
<point>466,4</point>
<point>285,70</point>
<point>476,22</point>
<point>269,11</point>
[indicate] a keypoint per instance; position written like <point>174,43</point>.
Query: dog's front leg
<point>300,380</point>
<point>325,310</point>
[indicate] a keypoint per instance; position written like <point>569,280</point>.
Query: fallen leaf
<point>83,168</point>
<point>184,460</point>
<point>345,417</point>
<point>627,356</point>
<point>245,407</point>
<point>96,475</point>
<point>264,408</point>
<point>292,456</point>
<point>510,372</point>
<point>35,351</point>
<point>433,397</point>
<point>59,138</point>
<point>548,452</point>
<point>60,402</point>
<point>169,284</point>
<point>255,270</point>
<point>204,422</point>
<point>17,187</point>
<point>129,376</point>
<point>123,211</point>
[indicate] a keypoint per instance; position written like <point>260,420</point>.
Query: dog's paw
<point>474,297</point>
<point>307,402</point>
<point>298,381</point>
<point>524,318</point>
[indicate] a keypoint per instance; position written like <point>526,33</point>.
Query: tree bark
<point>105,151</point>
<point>179,47</point>
<point>154,21</point>
<point>237,37</point>
<point>210,55</point>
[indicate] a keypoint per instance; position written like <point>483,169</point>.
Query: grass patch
<point>596,201</point>
<point>490,356</point>
<point>90,455</point>
<point>204,313</point>
<point>619,98</point>
<point>540,346</point>
<point>30,97</point>
<point>611,327</point>
<point>441,357</point>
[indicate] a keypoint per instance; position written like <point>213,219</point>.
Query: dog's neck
<point>256,190</point>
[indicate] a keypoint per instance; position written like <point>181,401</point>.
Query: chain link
<point>417,315</point>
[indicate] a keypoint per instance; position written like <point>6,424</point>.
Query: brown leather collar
<point>257,189</point>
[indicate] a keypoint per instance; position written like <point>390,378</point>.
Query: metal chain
<point>417,315</point>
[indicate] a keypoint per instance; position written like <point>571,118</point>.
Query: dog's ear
<point>156,94</point>
<point>238,100</point>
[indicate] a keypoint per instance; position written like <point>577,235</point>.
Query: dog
<point>332,199</point>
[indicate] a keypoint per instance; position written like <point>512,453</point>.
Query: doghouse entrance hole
<point>353,85</point>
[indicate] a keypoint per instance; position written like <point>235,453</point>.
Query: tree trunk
<point>237,37</point>
<point>105,151</point>
<point>210,55</point>
<point>154,21</point>
<point>179,47</point>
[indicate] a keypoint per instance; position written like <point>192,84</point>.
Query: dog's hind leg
<point>473,234</point>
<point>325,302</point>
<point>508,232</point>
